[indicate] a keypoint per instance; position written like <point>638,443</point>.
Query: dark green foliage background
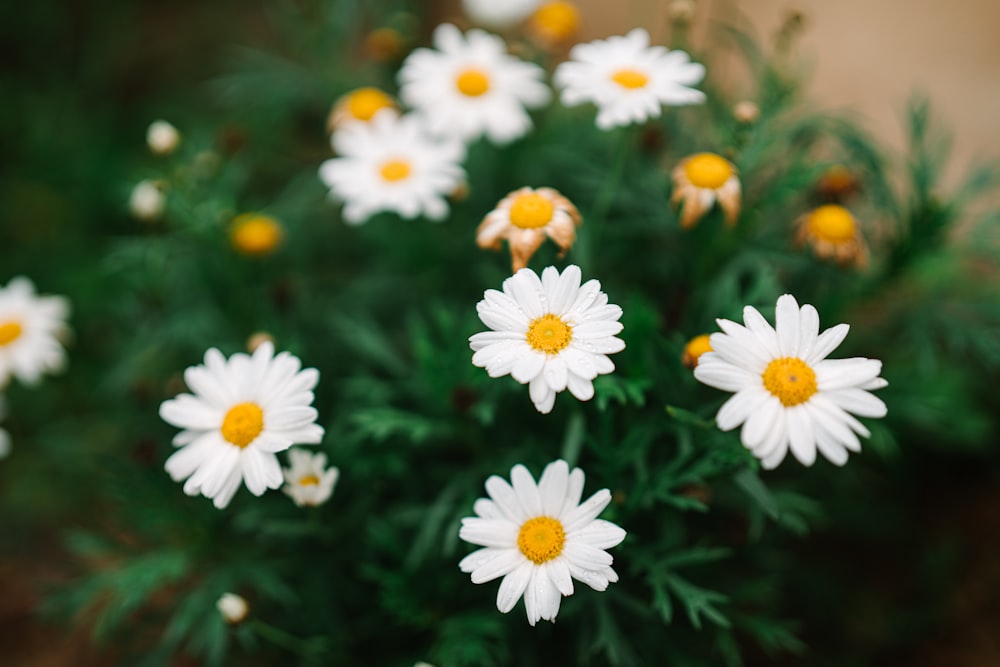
<point>722,565</point>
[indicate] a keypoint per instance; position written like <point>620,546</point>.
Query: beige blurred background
<point>864,55</point>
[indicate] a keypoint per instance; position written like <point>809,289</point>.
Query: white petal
<point>834,374</point>
<point>715,372</point>
<point>552,487</point>
<point>800,434</point>
<point>556,373</point>
<point>787,325</point>
<point>585,556</point>
<point>761,423</point>
<point>739,407</point>
<point>561,578</point>
<point>504,562</point>
<point>503,495</point>
<point>528,366</point>
<point>586,512</point>
<point>497,533</point>
<point>826,343</point>
<point>599,534</point>
<point>858,401</point>
<point>513,586</point>
<point>526,491</point>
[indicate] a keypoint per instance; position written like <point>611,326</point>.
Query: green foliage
<point>717,550</point>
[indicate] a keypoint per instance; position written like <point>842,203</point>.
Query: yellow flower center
<point>255,234</point>
<point>395,170</point>
<point>364,103</point>
<point>531,210</point>
<point>556,21</point>
<point>309,480</point>
<point>473,82</point>
<point>832,223</point>
<point>696,347</point>
<point>9,332</point>
<point>708,170</point>
<point>242,424</point>
<point>549,334</point>
<point>791,380</point>
<point>541,539</point>
<point>630,78</point>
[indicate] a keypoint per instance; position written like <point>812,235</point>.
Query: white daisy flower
<point>499,14</point>
<point>628,79</point>
<point>308,481</point>
<point>470,87</point>
<point>787,393</point>
<point>391,164</point>
<point>31,328</point>
<point>550,333</point>
<point>243,410</point>
<point>539,537</point>
<point>4,436</point>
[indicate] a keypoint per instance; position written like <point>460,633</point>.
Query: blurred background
<point>83,79</point>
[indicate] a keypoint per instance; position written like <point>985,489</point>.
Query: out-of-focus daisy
<point>391,164</point>
<point>499,14</point>
<point>242,411</point>
<point>524,218</point>
<point>551,333</point>
<point>147,201</point>
<point>702,179</point>
<point>787,393</point>
<point>555,23</point>
<point>358,106</point>
<point>4,436</point>
<point>162,137</point>
<point>233,608</point>
<point>833,233</point>
<point>308,481</point>
<point>628,79</point>
<point>255,234</point>
<point>31,328</point>
<point>696,347</point>
<point>471,87</point>
<point>539,537</point>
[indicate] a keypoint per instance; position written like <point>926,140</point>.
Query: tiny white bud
<point>682,11</point>
<point>746,111</point>
<point>146,201</point>
<point>162,137</point>
<point>233,608</point>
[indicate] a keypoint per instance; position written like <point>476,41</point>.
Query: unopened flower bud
<point>162,137</point>
<point>257,339</point>
<point>746,111</point>
<point>147,201</point>
<point>682,11</point>
<point>233,608</point>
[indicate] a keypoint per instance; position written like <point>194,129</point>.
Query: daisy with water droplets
<point>539,538</point>
<point>242,411</point>
<point>391,164</point>
<point>628,79</point>
<point>551,333</point>
<point>833,234</point>
<point>524,218</point>
<point>31,328</point>
<point>471,87</point>
<point>358,106</point>
<point>308,481</point>
<point>788,395</point>
<point>702,179</point>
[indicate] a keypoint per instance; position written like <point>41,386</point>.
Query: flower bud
<point>162,137</point>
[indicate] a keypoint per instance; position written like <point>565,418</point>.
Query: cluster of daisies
<point>553,331</point>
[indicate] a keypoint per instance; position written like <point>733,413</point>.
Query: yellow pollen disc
<point>254,234</point>
<point>696,347</point>
<point>630,78</point>
<point>473,82</point>
<point>541,539</point>
<point>9,332</point>
<point>364,103</point>
<point>708,170</point>
<point>395,170</point>
<point>309,480</point>
<point>531,210</point>
<point>791,380</point>
<point>242,424</point>
<point>557,20</point>
<point>832,223</point>
<point>549,334</point>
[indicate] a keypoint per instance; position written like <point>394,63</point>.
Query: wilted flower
<point>255,234</point>
<point>162,137</point>
<point>551,333</point>
<point>359,105</point>
<point>628,79</point>
<point>833,233</point>
<point>234,608</point>
<point>539,537</point>
<point>702,179</point>
<point>308,481</point>
<point>471,87</point>
<point>31,328</point>
<point>787,393</point>
<point>147,201</point>
<point>392,164</point>
<point>243,410</point>
<point>524,218</point>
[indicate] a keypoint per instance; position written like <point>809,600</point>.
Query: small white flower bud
<point>146,201</point>
<point>233,608</point>
<point>746,111</point>
<point>162,137</point>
